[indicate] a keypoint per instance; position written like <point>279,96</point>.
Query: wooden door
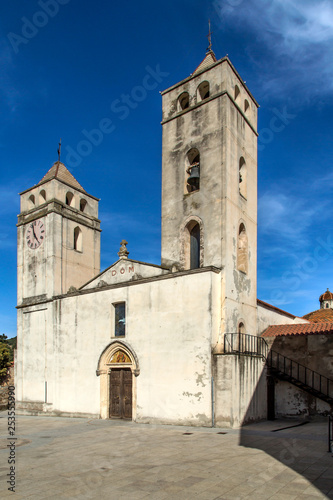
<point>121,393</point>
<point>270,398</point>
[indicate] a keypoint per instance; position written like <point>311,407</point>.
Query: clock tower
<point>58,237</point>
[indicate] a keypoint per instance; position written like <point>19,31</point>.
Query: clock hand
<point>33,232</point>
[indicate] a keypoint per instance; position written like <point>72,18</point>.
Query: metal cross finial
<point>59,150</point>
<point>209,36</point>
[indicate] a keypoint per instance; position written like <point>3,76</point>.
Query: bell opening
<point>193,181</point>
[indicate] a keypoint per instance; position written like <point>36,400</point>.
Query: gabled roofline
<point>141,281</point>
<point>123,260</point>
<point>266,305</point>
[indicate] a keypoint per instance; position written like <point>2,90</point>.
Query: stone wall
<point>316,353</point>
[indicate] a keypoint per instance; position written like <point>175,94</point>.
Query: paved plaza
<point>63,458</point>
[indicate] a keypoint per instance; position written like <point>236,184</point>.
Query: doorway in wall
<point>121,393</point>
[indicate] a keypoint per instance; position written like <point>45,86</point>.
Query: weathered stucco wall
<point>240,390</point>
<point>169,329</point>
<point>290,401</point>
<point>313,351</point>
<point>316,353</point>
<point>271,316</point>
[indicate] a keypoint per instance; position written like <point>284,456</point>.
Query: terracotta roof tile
<point>299,329</point>
<point>59,171</point>
<point>319,316</point>
<point>326,296</point>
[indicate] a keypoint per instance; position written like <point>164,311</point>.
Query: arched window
<point>32,199</point>
<point>237,92</point>
<point>184,101</point>
<point>203,91</point>
<point>42,197</point>
<point>246,105</point>
<point>241,327</point>
<point>69,198</point>
<point>242,177</point>
<point>78,239</point>
<point>195,247</point>
<point>192,170</point>
<point>192,244</point>
<point>242,250</point>
<point>83,205</point>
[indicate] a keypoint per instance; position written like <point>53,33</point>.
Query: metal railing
<point>242,343</point>
<point>330,434</point>
<point>300,373</point>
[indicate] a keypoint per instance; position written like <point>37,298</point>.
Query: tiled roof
<point>320,315</point>
<point>299,329</point>
<point>208,61</point>
<point>326,296</point>
<point>59,171</point>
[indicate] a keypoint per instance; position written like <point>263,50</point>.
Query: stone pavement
<point>63,458</point>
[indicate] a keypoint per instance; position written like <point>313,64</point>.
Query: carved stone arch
<point>104,368</point>
<point>114,346</point>
<point>184,238</point>
<point>241,327</point>
<point>203,91</point>
<point>192,164</point>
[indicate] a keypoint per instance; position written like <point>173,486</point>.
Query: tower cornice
<point>55,206</point>
<point>202,103</point>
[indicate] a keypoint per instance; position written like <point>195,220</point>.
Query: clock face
<point>35,234</point>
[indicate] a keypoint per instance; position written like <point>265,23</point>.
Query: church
<point>179,343</point>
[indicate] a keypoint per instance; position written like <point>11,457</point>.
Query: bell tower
<point>58,237</point>
<point>209,183</point>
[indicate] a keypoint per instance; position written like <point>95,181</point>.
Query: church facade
<point>153,343</point>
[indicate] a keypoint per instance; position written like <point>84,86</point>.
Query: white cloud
<point>288,215</point>
<point>298,34</point>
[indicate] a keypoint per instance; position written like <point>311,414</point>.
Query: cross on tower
<point>209,36</point>
<point>59,150</point>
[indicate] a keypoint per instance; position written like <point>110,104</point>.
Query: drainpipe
<point>213,403</point>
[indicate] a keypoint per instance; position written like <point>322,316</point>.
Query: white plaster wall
<point>31,354</point>
<point>240,390</point>
<point>169,327</point>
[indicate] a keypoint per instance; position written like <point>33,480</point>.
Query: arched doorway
<point>118,368</point>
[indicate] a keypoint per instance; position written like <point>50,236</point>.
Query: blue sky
<point>65,63</point>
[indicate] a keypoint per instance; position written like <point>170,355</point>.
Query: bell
<point>194,178</point>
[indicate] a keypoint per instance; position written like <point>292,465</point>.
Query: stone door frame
<point>104,368</point>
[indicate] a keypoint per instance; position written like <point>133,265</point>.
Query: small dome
<point>326,296</point>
